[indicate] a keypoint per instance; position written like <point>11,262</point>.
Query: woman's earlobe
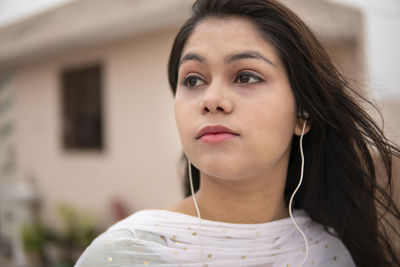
<point>300,124</point>
<point>302,118</point>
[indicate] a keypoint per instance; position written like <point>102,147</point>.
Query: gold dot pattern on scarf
<point>210,256</point>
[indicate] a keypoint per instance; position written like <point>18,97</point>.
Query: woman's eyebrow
<point>191,56</point>
<point>246,55</point>
<point>228,59</point>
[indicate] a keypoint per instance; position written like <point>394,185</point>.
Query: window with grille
<point>82,108</point>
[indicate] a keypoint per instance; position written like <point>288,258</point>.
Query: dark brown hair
<point>340,188</point>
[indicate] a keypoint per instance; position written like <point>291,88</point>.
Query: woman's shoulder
<point>148,235</point>
<point>125,242</point>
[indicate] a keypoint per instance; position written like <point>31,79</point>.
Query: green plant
<point>78,231</point>
<point>60,247</point>
<point>33,237</point>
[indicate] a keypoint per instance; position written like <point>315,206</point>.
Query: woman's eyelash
<point>246,77</point>
<point>191,81</point>
<point>243,77</point>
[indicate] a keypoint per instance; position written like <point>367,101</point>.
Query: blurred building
<point>86,110</point>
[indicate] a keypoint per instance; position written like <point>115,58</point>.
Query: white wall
<point>382,42</point>
<point>140,162</point>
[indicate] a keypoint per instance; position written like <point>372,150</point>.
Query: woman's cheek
<point>183,122</point>
<point>178,118</point>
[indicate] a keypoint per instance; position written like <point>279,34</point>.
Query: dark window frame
<point>82,108</point>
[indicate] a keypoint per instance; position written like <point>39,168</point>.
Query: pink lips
<point>216,133</point>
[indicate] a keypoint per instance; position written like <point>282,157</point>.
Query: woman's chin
<point>224,171</point>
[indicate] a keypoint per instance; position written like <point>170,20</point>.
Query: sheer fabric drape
<point>164,238</point>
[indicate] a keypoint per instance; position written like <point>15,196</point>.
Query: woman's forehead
<point>218,38</point>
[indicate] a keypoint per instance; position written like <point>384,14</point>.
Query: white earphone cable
<point>197,209</point>
<point>295,191</point>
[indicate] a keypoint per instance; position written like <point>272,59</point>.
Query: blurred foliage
<point>78,231</point>
<point>33,237</point>
<point>60,248</point>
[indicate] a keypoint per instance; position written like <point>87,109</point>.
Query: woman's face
<point>229,76</point>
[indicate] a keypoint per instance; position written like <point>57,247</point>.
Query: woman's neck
<point>246,201</point>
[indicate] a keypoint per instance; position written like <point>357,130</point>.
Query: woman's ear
<point>299,126</point>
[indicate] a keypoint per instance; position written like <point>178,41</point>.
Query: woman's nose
<point>216,99</point>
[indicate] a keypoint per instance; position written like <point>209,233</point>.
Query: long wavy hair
<point>341,188</point>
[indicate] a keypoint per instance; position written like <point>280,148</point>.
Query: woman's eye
<point>192,81</point>
<point>247,78</point>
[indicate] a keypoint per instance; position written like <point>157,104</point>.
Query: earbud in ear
<point>304,115</point>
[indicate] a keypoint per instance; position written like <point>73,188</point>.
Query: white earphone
<point>303,115</point>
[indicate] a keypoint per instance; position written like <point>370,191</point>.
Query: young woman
<point>267,124</point>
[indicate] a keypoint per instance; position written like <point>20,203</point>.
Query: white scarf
<point>164,238</point>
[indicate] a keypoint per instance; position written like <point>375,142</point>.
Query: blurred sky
<point>12,10</point>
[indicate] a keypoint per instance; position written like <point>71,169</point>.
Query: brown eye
<point>246,77</point>
<point>192,81</point>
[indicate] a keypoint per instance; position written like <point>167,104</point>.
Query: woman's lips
<point>218,137</point>
<point>215,133</point>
